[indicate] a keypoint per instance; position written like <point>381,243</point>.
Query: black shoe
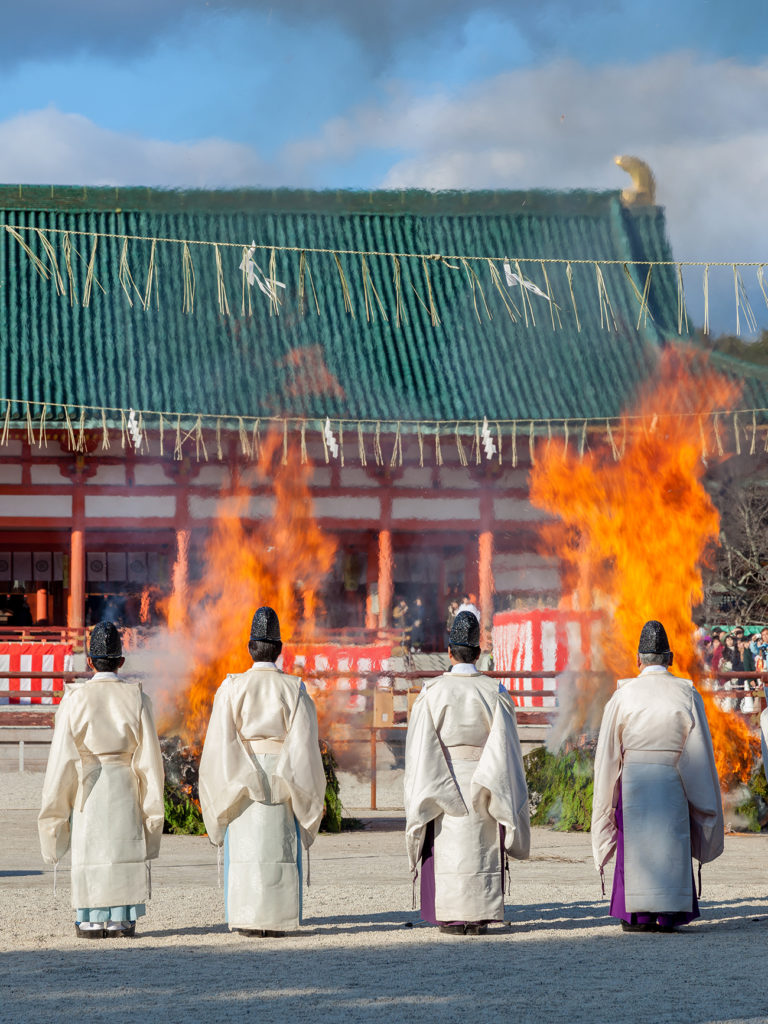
<point>125,931</point>
<point>88,933</point>
<point>627,927</point>
<point>452,929</point>
<point>475,929</point>
<point>260,933</point>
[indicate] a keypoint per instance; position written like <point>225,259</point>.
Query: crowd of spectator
<point>735,650</point>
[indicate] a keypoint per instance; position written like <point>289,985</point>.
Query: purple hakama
<point>618,909</point>
<point>427,879</point>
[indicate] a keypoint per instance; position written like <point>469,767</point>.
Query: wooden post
<point>373,768</point>
<point>77,579</point>
<point>41,604</point>
<point>485,581</point>
<point>386,586</point>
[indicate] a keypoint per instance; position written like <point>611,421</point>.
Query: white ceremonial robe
<point>103,791</point>
<point>464,771</point>
<point>655,744</point>
<point>262,787</point>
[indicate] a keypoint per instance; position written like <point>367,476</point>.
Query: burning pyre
<point>633,523</point>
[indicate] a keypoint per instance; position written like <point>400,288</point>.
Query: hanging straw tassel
<point>30,428</point>
<point>51,254</point>
<point>70,431</point>
<point>754,433</point>
<point>706,299</point>
<point>245,288</point>
<point>682,312</point>
<point>42,441</point>
<point>377,445</point>
<point>438,449</point>
<point>220,286</point>
<point>81,431</point>
<point>606,309</point>
<point>476,286</point>
<point>341,443</point>
<point>526,301</point>
<point>122,428</point>
<point>325,445</point>
<point>737,433</point>
<point>397,451</point>
<point>583,440</point>
<point>532,444</point>
<point>144,443</point>
<point>256,439</point>
<point>285,442</point>
<point>344,288</point>
<point>614,449</point>
<point>104,431</point>
<point>274,297</point>
<point>498,440</point>
<point>125,276</point>
<point>368,284</point>
<point>147,300</point>
<point>245,444</point>
<point>361,445</point>
<point>219,452</point>
<point>718,439</point>
<point>434,318</point>
<point>703,436</point>
<point>569,275</point>
<point>66,246</point>
<point>199,439</point>
<point>509,305</point>
<point>460,447</point>
<point>37,263</point>
<point>514,444</point>
<point>177,452</point>
<point>6,424</point>
<point>161,426</point>
<point>554,309</point>
<point>742,300</point>
<point>421,445</point>
<point>398,283</point>
<point>90,277</point>
<point>188,277</point>
<point>303,442</point>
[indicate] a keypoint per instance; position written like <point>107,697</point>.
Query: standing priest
<point>262,786</point>
<point>657,795</point>
<point>466,800</point>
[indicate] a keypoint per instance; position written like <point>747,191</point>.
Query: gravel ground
<point>364,956</point>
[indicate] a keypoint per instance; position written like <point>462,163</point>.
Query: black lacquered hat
<point>266,625</point>
<point>465,631</point>
<point>105,641</point>
<point>653,639</point>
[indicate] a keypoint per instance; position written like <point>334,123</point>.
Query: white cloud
<point>700,125</point>
<point>51,147</point>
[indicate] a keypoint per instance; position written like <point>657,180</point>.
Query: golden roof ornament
<point>643,191</point>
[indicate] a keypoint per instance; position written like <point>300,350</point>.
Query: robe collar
<point>463,668</point>
<point>263,665</point>
<point>650,670</point>
<point>100,677</point>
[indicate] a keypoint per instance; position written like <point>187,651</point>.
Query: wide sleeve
<point>702,788</point>
<point>606,784</point>
<point>429,787</point>
<point>299,774</point>
<point>498,785</point>
<point>59,788</point>
<point>148,768</point>
<point>229,780</point>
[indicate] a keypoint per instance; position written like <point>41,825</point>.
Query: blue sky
<point>348,93</point>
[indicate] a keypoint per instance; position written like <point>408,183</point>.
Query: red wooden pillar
<point>485,580</point>
<point>76,616</point>
<point>386,585</point>
<point>41,604</point>
<point>371,577</point>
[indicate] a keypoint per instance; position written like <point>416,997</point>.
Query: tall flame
<point>633,525</point>
<point>282,562</point>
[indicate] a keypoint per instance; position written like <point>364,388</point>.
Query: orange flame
<point>634,525</point>
<point>282,562</point>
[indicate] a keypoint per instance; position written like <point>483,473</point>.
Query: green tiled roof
<point>258,364</point>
